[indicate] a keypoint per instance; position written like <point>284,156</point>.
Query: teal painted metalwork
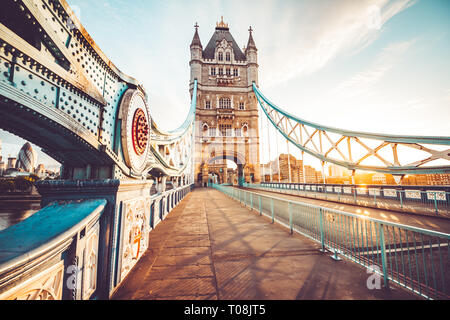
<point>21,242</point>
<point>283,118</point>
<point>403,198</point>
<point>290,217</point>
<point>383,254</point>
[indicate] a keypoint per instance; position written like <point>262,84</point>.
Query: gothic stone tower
<point>227,109</point>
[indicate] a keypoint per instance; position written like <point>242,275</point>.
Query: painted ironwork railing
<point>414,258</point>
<point>430,202</point>
<point>163,203</point>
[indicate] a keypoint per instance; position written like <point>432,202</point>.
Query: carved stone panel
<point>90,262</point>
<point>136,227</point>
<point>47,285</point>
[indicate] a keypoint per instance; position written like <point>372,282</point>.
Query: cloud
<point>150,41</point>
<point>329,29</point>
<point>363,82</point>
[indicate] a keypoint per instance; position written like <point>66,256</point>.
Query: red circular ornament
<point>139,132</point>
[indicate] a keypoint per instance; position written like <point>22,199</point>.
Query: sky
<point>377,66</point>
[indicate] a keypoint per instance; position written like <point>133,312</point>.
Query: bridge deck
<point>210,247</point>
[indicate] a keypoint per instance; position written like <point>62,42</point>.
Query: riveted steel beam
<point>346,158</point>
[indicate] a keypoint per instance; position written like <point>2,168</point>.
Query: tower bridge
<point>121,176</point>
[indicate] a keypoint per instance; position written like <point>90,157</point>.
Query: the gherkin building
<point>26,159</point>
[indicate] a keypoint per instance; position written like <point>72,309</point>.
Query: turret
<point>252,59</point>
<point>196,56</point>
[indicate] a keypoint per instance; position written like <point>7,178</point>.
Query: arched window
<point>245,129</point>
<point>224,103</point>
<point>205,129</point>
<point>227,56</point>
<point>220,56</point>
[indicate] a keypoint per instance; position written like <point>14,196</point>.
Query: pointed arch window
<point>220,56</point>
<point>205,129</point>
<point>245,129</point>
<point>228,56</point>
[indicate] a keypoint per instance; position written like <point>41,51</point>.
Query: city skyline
<point>10,146</point>
<point>334,63</point>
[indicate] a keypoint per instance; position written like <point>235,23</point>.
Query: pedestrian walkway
<point>211,247</point>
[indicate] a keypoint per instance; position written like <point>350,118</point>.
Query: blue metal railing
<point>414,258</point>
<point>432,200</point>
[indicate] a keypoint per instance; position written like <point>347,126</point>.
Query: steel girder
<point>60,91</point>
<point>320,141</point>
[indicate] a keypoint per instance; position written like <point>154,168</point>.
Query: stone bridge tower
<point>227,108</point>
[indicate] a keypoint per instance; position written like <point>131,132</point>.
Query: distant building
<point>312,175</point>
<point>435,179</point>
<point>379,178</point>
<point>26,159</point>
<point>439,179</point>
<point>40,170</point>
<point>11,163</point>
<point>291,169</point>
<point>338,171</point>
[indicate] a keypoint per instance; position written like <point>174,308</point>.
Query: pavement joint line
<point>231,257</point>
<point>157,254</point>
<point>213,267</point>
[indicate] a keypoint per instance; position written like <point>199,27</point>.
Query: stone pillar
<point>204,174</point>
<point>127,212</point>
<point>163,184</point>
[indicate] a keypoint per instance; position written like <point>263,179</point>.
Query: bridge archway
<point>53,133</point>
<point>222,170</point>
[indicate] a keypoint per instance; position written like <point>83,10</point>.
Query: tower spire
<point>251,42</point>
<point>196,39</point>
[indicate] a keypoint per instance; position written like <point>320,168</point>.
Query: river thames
<point>12,212</point>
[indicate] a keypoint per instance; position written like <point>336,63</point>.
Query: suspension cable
<point>261,153</point>
<point>289,160</point>
<point>268,144</point>
<point>278,158</point>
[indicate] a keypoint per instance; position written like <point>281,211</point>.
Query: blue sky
<point>377,66</point>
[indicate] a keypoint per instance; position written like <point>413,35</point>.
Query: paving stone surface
<point>212,248</point>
